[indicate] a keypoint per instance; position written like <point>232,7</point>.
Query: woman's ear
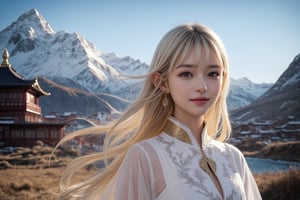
<point>157,81</point>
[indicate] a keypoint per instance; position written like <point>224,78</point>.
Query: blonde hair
<point>146,117</point>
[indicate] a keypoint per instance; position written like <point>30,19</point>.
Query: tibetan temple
<point>21,120</point>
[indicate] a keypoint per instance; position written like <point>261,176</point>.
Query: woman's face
<point>195,84</point>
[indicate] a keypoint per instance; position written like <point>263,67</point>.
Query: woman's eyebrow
<point>215,66</point>
<point>185,65</point>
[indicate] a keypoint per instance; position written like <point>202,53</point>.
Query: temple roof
<point>10,78</point>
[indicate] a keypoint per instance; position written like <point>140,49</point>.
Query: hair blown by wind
<point>146,116</point>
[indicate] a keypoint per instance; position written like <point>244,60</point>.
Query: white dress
<point>165,168</point>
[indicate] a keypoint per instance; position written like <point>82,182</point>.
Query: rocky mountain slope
<point>280,101</point>
<point>66,99</point>
<point>243,92</point>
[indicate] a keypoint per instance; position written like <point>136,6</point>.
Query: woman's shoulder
<point>142,156</point>
<point>224,146</point>
<point>144,148</point>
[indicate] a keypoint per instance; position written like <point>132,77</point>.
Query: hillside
<point>280,101</point>
<point>68,99</point>
<point>288,151</point>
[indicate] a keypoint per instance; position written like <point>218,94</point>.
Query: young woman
<point>169,144</point>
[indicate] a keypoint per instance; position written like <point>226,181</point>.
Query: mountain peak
<point>31,23</point>
<point>32,12</point>
<point>290,77</point>
<point>34,18</point>
<point>21,35</point>
<point>245,80</point>
<point>281,100</point>
<point>296,60</point>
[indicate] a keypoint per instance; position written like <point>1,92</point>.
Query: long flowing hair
<point>146,116</point>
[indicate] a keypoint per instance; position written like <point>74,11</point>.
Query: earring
<point>165,100</point>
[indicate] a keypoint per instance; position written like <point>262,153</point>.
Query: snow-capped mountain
<point>70,60</point>
<point>37,50</point>
<point>243,92</point>
<point>288,81</point>
<point>280,101</point>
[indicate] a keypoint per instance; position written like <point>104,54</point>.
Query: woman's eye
<point>214,74</point>
<point>185,74</point>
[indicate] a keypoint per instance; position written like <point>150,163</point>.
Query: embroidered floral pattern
<point>195,178</point>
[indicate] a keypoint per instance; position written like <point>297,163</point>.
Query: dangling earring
<point>165,100</point>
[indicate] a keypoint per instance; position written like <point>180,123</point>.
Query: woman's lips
<point>200,100</point>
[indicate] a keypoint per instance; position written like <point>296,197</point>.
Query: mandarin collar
<point>182,132</point>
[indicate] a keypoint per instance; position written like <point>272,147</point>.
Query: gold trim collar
<point>206,164</point>
<point>177,132</point>
<point>180,131</point>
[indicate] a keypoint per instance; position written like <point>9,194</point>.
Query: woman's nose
<point>201,87</point>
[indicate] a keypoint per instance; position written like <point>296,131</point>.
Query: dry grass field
<point>42,184</point>
<point>29,183</point>
<point>26,174</point>
<point>280,185</point>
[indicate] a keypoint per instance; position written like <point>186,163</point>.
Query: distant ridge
<point>282,100</point>
<point>243,92</point>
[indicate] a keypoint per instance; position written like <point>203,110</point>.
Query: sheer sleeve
<point>251,189</point>
<point>135,178</point>
<point>250,185</point>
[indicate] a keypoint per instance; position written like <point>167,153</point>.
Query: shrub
<point>279,186</point>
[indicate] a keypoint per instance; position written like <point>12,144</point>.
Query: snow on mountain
<point>71,60</point>
<point>243,92</point>
<point>37,50</point>
<point>289,79</point>
<point>126,65</point>
<point>281,101</point>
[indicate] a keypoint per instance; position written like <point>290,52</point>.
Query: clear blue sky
<point>262,36</point>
